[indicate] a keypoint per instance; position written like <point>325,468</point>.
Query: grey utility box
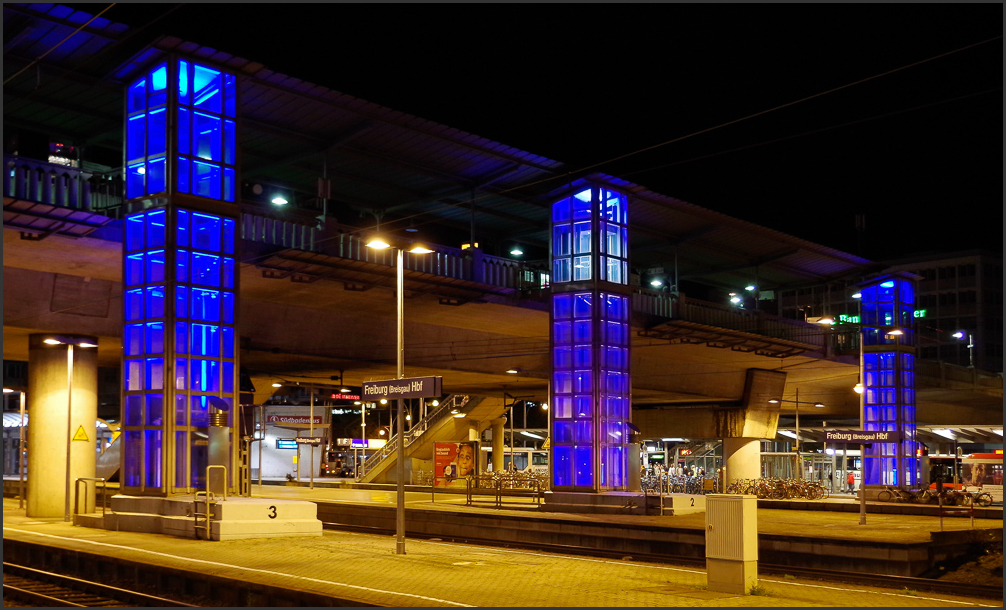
<point>731,543</point>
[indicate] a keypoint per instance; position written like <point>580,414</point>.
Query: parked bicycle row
<point>946,497</point>
<point>664,483</point>
<point>779,489</point>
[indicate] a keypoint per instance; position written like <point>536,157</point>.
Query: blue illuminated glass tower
<point>591,304</point>
<point>180,365</point>
<point>888,336</point>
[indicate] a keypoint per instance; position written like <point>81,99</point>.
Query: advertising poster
<point>983,477</point>
<point>453,462</point>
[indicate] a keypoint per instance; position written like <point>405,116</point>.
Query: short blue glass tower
<point>888,337</point>
<point>591,304</point>
<point>180,282</point>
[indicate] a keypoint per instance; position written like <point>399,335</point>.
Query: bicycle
<point>982,498</point>
<point>893,493</point>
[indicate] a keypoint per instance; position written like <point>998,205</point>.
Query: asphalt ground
<point>365,567</point>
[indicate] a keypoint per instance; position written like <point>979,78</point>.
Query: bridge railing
<point>676,306</point>
<point>61,185</point>
<point>70,187</point>
<point>948,375</point>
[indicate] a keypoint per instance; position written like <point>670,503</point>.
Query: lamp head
<point>377,243</point>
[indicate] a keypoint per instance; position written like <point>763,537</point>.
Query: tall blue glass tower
<point>888,306</point>
<point>591,304</point>
<point>180,280</point>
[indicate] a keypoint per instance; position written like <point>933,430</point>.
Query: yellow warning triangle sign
<point>80,435</point>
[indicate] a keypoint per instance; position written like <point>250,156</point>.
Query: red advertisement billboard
<point>454,462</point>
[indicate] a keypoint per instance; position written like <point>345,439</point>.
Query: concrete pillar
<point>742,457</point>
<point>56,417</point>
<point>473,430</point>
<point>497,428</point>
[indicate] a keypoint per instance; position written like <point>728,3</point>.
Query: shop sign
<point>858,437</point>
<point>415,387</point>
<point>358,443</point>
<point>343,442</point>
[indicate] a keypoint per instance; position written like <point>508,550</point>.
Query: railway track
<point>764,569</point>
<point>47,589</point>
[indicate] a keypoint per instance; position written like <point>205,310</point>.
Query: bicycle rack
<point>76,493</point>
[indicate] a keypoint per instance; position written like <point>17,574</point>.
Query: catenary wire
<point>56,46</point>
<point>569,176</point>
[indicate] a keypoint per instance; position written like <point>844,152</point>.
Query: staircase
<point>107,464</point>
<point>377,465</point>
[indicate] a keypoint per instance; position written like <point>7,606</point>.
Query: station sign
<point>414,387</point>
<point>294,419</point>
<point>308,440</point>
<point>862,437</point>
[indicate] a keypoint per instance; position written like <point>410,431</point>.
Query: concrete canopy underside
<point>307,332</point>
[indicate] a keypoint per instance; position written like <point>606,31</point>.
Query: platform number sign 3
<point>272,512</point>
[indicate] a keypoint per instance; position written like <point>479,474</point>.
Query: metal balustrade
<point>60,185</point>
<point>72,188</point>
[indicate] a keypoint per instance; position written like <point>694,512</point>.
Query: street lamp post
<point>797,404</point>
<point>971,346</point>
<point>380,244</point>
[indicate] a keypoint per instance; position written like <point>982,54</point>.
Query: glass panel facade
<point>888,377</point>
<point>590,390</point>
<point>181,356</point>
<point>147,134</point>
<point>203,103</point>
<point>207,139</point>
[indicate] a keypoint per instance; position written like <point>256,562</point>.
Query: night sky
<point>918,149</point>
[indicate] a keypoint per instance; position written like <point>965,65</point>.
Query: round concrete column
<point>59,420</point>
<point>743,458</point>
<point>497,427</point>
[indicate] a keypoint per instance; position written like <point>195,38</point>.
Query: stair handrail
<point>456,401</point>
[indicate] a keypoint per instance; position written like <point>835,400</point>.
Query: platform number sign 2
<point>272,512</point>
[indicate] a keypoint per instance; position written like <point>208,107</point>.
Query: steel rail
<point>878,580</point>
<point>50,588</point>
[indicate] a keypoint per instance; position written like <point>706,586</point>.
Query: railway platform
<point>360,569</point>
